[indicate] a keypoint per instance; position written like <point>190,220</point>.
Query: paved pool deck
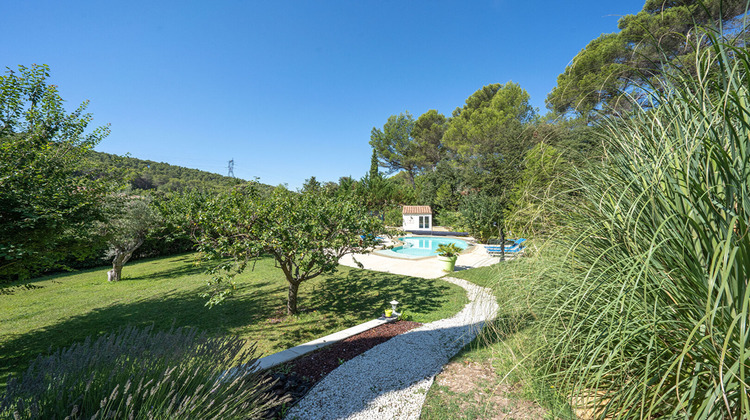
<point>429,267</point>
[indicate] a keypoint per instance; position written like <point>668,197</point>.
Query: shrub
<point>394,217</point>
<point>138,373</point>
<point>482,215</point>
<point>652,321</point>
<point>448,218</point>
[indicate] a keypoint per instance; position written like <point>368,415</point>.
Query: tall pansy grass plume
<point>653,322</point>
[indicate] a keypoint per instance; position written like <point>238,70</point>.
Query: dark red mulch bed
<point>295,378</point>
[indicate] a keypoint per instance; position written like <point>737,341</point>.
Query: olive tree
<point>131,221</point>
<point>306,233</point>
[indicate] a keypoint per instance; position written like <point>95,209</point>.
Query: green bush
<point>394,217</point>
<point>449,219</point>
<point>138,373</point>
<point>651,318</point>
<point>482,215</point>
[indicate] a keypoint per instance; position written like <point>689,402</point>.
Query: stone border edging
<point>287,355</point>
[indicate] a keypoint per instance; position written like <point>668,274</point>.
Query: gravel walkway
<point>390,381</point>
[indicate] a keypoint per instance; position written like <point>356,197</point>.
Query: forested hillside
<point>149,175</point>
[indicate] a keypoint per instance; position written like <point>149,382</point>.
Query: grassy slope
<point>506,346</point>
<point>65,308</point>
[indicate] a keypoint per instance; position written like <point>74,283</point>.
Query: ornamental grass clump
<point>139,373</point>
<point>654,320</point>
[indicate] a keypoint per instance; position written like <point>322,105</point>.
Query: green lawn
<point>62,309</point>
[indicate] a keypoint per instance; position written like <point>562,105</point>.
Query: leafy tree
<point>573,138</point>
<point>490,136</point>
<point>346,186</point>
<point>132,220</point>
<point>306,233</point>
<point>490,122</point>
<point>441,188</point>
<point>311,184</point>
<point>395,146</point>
<point>47,205</point>
<point>614,66</point>
<point>428,134</point>
<point>376,193</point>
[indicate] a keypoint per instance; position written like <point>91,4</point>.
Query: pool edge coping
<point>469,248</point>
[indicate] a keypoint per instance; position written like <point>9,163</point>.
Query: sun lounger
<point>497,250</point>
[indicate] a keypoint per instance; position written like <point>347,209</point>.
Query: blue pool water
<point>424,246</point>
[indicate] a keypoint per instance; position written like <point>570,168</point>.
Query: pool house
<point>417,218</point>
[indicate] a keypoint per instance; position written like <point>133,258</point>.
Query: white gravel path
<point>390,381</point>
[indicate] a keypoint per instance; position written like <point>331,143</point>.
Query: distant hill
<point>150,175</point>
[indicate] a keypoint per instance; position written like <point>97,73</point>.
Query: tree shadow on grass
<point>368,293</point>
<point>171,273</point>
<point>183,309</point>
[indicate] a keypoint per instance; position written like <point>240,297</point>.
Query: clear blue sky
<point>288,89</point>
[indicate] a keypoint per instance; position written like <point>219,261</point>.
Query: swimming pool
<point>421,246</point>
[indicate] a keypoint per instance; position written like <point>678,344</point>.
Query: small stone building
<point>417,218</point>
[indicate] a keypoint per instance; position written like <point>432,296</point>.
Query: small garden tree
<point>127,229</point>
<point>306,233</point>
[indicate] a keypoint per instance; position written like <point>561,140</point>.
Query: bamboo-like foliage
<point>138,374</point>
<point>654,322</point>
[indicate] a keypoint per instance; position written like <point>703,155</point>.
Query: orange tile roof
<point>417,210</point>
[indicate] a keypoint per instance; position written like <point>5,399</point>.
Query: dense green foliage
<point>481,150</point>
<point>47,209</point>
<point>483,215</point>
<point>139,373</point>
<point>612,70</point>
<point>541,192</point>
<point>650,319</point>
<point>141,174</point>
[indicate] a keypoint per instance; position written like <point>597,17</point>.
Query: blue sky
<point>288,89</point>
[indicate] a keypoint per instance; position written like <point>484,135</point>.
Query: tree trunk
<point>121,257</point>
<point>117,262</point>
<point>291,303</point>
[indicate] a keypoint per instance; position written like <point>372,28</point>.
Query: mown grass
<point>508,346</point>
<point>59,310</point>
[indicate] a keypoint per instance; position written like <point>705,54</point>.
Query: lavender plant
<point>139,373</point>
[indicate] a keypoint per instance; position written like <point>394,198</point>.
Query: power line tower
<point>231,168</point>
